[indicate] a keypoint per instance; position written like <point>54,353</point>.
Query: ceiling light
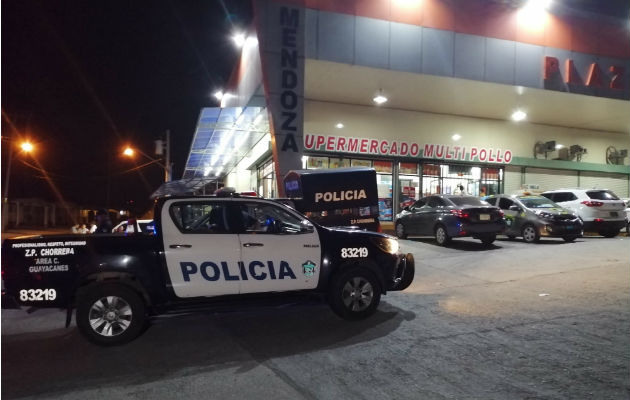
<point>239,39</point>
<point>519,115</point>
<point>251,41</point>
<point>456,137</point>
<point>218,95</point>
<point>339,125</point>
<point>379,98</point>
<point>559,146</point>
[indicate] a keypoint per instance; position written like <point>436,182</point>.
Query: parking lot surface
<point>510,321</point>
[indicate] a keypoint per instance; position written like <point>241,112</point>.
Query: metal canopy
<point>183,187</point>
<point>222,138</point>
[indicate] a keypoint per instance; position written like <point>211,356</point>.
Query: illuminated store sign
<point>400,148</point>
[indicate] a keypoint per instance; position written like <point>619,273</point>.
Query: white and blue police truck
<point>206,250</point>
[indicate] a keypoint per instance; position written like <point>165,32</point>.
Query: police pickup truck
<point>206,250</point>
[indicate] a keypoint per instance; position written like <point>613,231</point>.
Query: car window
<point>505,203</point>
<point>563,196</point>
<point>435,202</point>
<point>538,202</point>
<point>467,201</point>
<point>419,203</point>
<point>268,218</point>
<point>601,195</point>
<point>492,201</point>
<point>200,217</point>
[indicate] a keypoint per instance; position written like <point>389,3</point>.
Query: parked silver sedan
<point>534,216</point>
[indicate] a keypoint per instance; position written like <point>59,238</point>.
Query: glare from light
<point>218,95</point>
<point>207,171</point>
<point>258,118</point>
<point>339,125</point>
<point>27,147</point>
<point>456,137</point>
<point>519,115</point>
<point>534,14</point>
<point>379,99</point>
<point>407,3</point>
<point>559,146</point>
<point>239,39</point>
<point>251,41</point>
<point>128,152</point>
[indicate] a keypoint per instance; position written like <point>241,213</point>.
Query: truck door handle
<point>179,246</point>
<point>253,244</point>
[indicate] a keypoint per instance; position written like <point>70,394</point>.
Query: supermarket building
<point>426,92</point>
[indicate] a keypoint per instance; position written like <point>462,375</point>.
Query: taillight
<point>460,213</point>
<point>592,203</point>
<point>501,213</point>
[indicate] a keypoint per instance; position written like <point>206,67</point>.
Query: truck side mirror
<point>306,227</point>
<point>406,208</point>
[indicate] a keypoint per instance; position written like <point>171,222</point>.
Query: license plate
<point>484,217</point>
<point>613,213</point>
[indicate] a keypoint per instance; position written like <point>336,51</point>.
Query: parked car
<point>146,226</point>
<point>601,210</point>
<point>627,202</point>
<point>534,216</point>
<point>451,216</point>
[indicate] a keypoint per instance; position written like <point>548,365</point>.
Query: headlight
<point>545,215</point>
<point>388,245</point>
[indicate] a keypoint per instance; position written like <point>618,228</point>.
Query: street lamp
<point>130,152</point>
<point>26,147</point>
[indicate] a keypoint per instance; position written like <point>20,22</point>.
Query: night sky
<point>81,79</point>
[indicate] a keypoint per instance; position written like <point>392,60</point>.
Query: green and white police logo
<point>309,268</point>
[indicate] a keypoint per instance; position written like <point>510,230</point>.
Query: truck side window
<point>198,217</point>
<point>268,218</point>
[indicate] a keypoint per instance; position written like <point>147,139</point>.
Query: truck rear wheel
<point>110,314</point>
<point>354,294</point>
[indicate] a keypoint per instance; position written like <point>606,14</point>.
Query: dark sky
<point>83,78</point>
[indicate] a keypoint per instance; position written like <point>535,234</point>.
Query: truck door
<point>280,250</point>
<point>202,250</point>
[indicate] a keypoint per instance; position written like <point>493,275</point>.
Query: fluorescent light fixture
<point>519,115</point>
<point>456,137</point>
<point>533,15</point>
<point>559,146</point>
<point>339,125</point>
<point>239,39</point>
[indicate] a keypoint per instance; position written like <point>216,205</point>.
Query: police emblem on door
<point>309,268</point>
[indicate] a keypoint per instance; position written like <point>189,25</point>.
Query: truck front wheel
<point>354,294</point>
<point>110,314</point>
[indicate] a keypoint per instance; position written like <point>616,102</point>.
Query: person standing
<point>103,223</point>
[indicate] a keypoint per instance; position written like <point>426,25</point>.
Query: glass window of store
<point>460,179</point>
<point>384,185</point>
<point>408,184</point>
<point>267,180</point>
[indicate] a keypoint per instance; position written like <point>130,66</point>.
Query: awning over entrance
<point>222,138</point>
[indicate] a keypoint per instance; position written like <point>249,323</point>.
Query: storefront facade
<point>453,73</point>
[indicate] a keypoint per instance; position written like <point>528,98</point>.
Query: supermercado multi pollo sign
<point>399,148</point>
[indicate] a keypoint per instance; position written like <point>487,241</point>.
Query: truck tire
<point>354,293</point>
<point>110,314</point>
<point>410,271</point>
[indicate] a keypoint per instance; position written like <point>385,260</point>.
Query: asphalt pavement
<point>512,321</point>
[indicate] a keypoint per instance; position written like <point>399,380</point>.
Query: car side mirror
<point>515,208</point>
<point>406,208</point>
<point>306,227</point>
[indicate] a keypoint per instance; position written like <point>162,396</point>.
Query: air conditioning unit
<point>614,156</point>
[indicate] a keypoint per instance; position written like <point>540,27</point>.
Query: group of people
<point>102,224</point>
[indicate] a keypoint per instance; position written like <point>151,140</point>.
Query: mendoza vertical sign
<point>281,39</point>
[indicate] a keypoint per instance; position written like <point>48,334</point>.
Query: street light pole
<point>5,197</point>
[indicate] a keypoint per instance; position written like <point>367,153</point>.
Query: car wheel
<point>488,240</point>
<point>530,234</point>
<point>441,236</point>
<point>569,239</point>
<point>609,234</point>
<point>400,230</point>
<point>410,271</point>
<point>110,314</point>
<point>354,294</point>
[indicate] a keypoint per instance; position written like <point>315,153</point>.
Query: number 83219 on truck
<point>208,250</point>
